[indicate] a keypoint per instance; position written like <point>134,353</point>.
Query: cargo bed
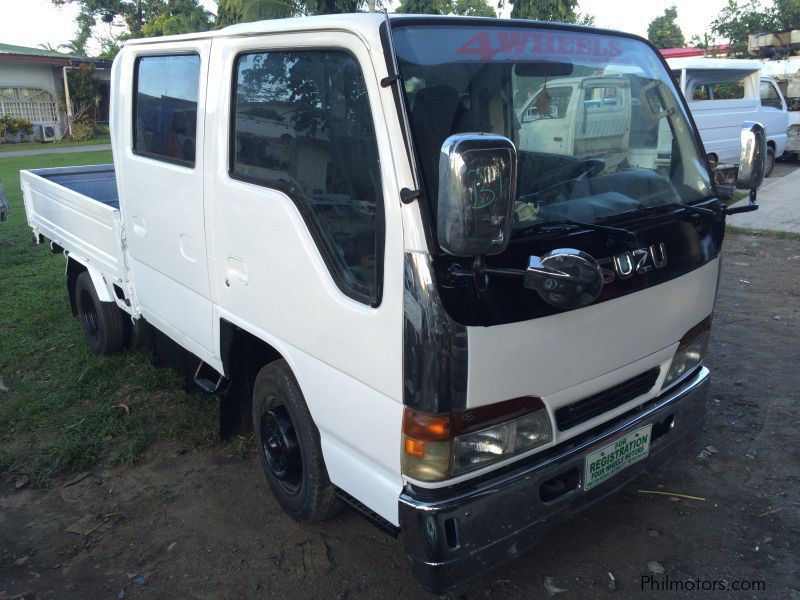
<point>78,209</point>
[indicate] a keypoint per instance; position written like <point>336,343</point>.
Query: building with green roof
<point>34,86</point>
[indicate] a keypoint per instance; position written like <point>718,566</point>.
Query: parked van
<point>722,94</point>
<point>423,308</point>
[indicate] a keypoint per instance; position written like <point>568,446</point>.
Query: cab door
<point>160,175</point>
<point>773,114</point>
<point>306,234</point>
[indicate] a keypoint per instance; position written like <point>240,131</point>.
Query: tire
<point>103,322</point>
<point>769,161</point>
<point>287,442</point>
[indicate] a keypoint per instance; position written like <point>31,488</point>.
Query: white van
<point>722,94</point>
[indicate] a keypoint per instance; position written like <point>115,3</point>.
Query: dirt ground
<point>202,524</point>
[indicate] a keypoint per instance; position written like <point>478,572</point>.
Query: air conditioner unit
<point>49,132</point>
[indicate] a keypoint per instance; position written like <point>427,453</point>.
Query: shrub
<point>82,131</point>
<point>10,124</point>
<point>11,129</point>
<point>25,127</point>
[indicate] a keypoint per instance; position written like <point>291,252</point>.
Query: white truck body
<point>724,93</point>
<point>599,123</point>
<point>785,73</point>
<point>205,235</point>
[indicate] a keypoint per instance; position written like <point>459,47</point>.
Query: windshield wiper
<point>566,224</point>
<point>684,208</point>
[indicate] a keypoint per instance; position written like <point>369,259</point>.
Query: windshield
<point>598,128</point>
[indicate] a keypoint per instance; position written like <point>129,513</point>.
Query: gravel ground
<point>202,524</point>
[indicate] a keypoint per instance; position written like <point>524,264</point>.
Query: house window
<point>35,105</point>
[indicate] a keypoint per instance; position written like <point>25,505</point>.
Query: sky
<point>34,22</point>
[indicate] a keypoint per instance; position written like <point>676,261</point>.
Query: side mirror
<point>752,157</point>
<point>477,187</point>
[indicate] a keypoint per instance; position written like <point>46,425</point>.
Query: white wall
<point>40,76</point>
<point>44,77</point>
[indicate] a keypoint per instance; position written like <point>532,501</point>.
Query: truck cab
<point>585,116</point>
<point>365,235</point>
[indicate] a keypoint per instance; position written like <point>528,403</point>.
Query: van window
<point>726,90</point>
<point>302,124</point>
<point>701,92</point>
<point>769,96</point>
<point>165,107</point>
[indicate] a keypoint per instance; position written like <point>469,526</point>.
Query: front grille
<point>578,412</point>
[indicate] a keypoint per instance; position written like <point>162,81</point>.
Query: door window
<point>165,109</point>
<point>302,124</point>
<point>769,96</point>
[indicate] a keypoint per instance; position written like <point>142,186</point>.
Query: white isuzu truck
<point>348,228</point>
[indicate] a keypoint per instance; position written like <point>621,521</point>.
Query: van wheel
<point>287,442</point>
<point>103,322</point>
<point>769,161</point>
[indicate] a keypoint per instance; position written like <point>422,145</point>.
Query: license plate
<point>612,458</point>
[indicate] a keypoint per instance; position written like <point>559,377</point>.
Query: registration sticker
<point>617,455</point>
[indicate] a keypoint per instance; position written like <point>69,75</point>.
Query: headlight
<point>690,352</point>
<point>474,450</point>
<point>438,447</point>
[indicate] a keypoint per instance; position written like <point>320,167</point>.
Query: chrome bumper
<point>457,534</point>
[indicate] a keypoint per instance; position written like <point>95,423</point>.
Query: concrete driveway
<point>779,206</point>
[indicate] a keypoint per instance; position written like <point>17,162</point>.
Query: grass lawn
<point>61,407</point>
<point>48,145</point>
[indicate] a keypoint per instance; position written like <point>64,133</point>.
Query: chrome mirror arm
<point>565,278</point>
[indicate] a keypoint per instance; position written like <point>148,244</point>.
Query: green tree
<point>141,18</point>
<point>737,21</point>
<point>473,8</point>
<point>425,7</point>
<point>230,12</point>
<point>77,45</point>
<point>468,8</point>
<point>784,15</point>
<point>664,32</point>
<point>178,16</point>
<point>563,11</point>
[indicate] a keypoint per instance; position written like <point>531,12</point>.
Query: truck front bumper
<point>455,535</point>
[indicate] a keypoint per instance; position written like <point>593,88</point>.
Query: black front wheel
<point>288,446</point>
<point>103,322</point>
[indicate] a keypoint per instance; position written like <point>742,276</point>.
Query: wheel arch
<point>243,355</point>
<point>74,268</point>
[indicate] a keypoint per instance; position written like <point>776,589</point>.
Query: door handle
<point>139,227</point>
<point>236,272</point>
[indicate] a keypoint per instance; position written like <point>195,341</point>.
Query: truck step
<point>207,378</point>
<point>367,513</point>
